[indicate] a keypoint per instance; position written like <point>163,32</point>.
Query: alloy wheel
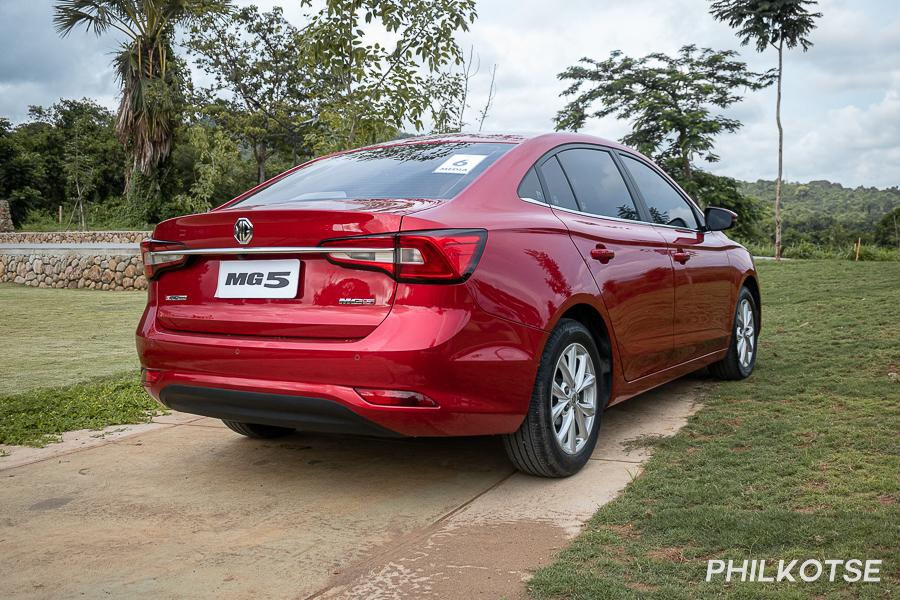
<point>573,399</point>
<point>745,334</point>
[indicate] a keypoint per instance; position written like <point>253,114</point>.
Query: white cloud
<point>841,98</point>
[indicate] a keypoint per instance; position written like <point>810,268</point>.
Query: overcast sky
<point>842,98</point>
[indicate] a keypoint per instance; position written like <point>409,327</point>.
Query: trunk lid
<point>331,301</point>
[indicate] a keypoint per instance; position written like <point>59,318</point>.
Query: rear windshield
<point>432,171</point>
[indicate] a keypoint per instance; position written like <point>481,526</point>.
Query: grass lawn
<point>802,460</point>
<point>53,338</point>
<point>67,362</point>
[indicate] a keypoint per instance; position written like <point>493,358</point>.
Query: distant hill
<point>823,212</point>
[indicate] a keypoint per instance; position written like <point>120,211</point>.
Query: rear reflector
<point>150,377</point>
<point>159,256</point>
<point>431,256</point>
<point>396,398</point>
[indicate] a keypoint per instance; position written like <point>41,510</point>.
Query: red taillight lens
<point>432,256</point>
<point>396,398</point>
<point>159,256</point>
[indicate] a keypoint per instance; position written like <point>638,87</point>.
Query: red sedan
<point>446,286</point>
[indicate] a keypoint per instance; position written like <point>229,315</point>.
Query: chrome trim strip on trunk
<point>266,250</point>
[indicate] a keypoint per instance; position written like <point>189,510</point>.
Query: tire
<point>736,364</point>
<point>536,447</point>
<point>257,431</point>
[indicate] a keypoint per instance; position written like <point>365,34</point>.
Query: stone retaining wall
<point>74,237</point>
<point>64,270</point>
<point>98,265</point>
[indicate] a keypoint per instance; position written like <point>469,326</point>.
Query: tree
<point>261,89</point>
<point>214,171</point>
<point>669,101</point>
<point>148,73</point>
<point>81,166</point>
<point>370,90</point>
<point>775,23</point>
<point>887,232</point>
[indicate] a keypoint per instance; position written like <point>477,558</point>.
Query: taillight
<point>159,256</point>
<point>431,256</point>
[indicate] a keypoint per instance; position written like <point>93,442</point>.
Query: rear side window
<point>420,170</point>
<point>557,185</point>
<point>666,205</point>
<point>531,187</point>
<point>597,183</point>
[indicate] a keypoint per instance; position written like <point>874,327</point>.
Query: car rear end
<point>322,302</point>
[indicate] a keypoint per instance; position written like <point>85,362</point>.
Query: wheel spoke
<point>580,368</point>
<point>586,408</point>
<point>563,431</point>
<point>558,391</point>
<point>565,370</point>
<point>570,436</point>
<point>580,422</point>
<point>557,410</point>
<point>586,382</point>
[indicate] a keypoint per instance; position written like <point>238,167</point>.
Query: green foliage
<point>261,91</point>
<point>669,100</point>
<point>826,214</point>
<point>670,103</point>
<point>36,157</point>
<point>151,80</point>
<point>716,190</point>
<point>765,23</point>
<point>37,417</point>
<point>216,171</point>
<point>810,251</point>
<point>369,91</point>
<point>887,232</point>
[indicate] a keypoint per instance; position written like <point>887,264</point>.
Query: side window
<point>597,183</point>
<point>666,205</point>
<point>557,185</point>
<point>531,187</point>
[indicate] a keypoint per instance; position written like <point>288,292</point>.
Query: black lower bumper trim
<point>299,412</point>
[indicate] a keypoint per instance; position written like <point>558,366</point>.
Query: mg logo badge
<point>243,230</point>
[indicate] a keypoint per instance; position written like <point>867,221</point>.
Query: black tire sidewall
<point>745,371</point>
<point>567,332</point>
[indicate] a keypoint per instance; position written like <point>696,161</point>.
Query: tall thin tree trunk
<point>780,152</point>
<point>261,154</point>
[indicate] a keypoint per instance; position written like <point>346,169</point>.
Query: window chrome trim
<point>595,216</point>
<point>698,213</point>
<point>266,250</point>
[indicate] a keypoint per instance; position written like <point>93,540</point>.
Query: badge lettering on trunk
<point>356,301</point>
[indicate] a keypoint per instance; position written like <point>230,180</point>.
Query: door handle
<point>602,253</point>
<point>681,256</point>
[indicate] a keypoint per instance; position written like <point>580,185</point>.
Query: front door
<point>704,306</point>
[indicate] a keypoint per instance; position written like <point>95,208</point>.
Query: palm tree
<point>145,68</point>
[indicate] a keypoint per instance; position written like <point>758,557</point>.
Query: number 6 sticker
<point>460,164</point>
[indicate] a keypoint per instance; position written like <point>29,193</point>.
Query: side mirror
<point>719,219</point>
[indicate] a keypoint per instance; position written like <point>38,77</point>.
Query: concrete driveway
<point>184,508</point>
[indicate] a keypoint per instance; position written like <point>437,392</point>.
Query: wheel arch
<point>752,284</point>
<point>589,316</point>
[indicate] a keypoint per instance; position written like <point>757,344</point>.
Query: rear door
<point>704,306</point>
<point>627,258</point>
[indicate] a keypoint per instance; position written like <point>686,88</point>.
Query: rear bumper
<point>479,370</point>
<point>300,412</point>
